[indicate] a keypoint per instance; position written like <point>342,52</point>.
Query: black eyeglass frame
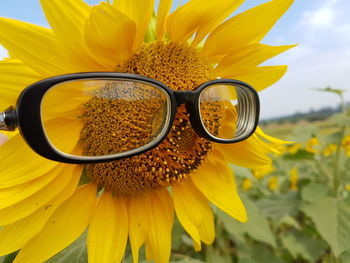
<point>27,114</point>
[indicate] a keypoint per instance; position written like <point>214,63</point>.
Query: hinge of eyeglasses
<point>8,120</point>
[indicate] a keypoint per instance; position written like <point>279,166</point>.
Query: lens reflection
<point>103,116</point>
<point>219,110</point>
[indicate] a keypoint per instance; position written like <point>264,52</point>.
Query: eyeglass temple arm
<point>8,120</point>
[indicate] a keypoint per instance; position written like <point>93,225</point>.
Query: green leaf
<point>257,253</point>
<point>187,260</point>
<point>301,245</point>
<point>277,206</point>
<point>257,226</point>
<point>345,256</point>
<point>76,252</point>
<point>314,192</point>
<point>8,258</point>
<point>214,255</point>
<point>232,226</point>
<point>289,221</point>
<point>177,236</point>
<point>300,155</point>
<point>339,92</point>
<point>332,220</point>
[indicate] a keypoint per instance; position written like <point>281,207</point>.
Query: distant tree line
<point>312,115</point>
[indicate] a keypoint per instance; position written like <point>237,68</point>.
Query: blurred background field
<point>283,127</point>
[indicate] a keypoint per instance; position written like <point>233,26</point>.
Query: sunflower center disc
<point>180,68</point>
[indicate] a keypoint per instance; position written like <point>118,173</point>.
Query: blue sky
<point>322,58</point>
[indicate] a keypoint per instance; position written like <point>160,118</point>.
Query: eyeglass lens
<point>219,110</point>
<point>104,117</point>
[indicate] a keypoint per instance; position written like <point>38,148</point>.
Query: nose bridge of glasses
<point>187,97</point>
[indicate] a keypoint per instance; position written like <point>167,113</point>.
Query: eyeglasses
<point>61,117</point>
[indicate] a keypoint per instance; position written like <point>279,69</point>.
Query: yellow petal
<point>197,246</point>
<point>262,77</point>
<point>108,230</point>
<point>248,58</point>
<point>148,252</point>
<point>64,226</point>
<point>27,206</point>
<point>216,187</point>
<point>30,166</point>
<point>110,35</point>
<point>224,169</point>
<point>247,27</point>
<point>67,19</point>
<point>163,11</point>
<point>74,94</point>
<point>200,17</point>
<point>207,228</point>
<point>14,77</point>
<point>16,235</point>
<point>251,153</point>
<point>214,16</point>
<point>36,46</point>
<point>261,133</point>
<point>160,219</point>
<point>194,213</point>
<point>141,12</point>
<point>139,207</point>
<point>63,133</point>
<point>12,195</point>
<point>9,134</point>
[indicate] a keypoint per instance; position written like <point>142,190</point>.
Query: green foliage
<point>257,253</point>
<point>345,256</point>
<point>332,220</point>
<point>277,206</point>
<point>300,155</point>
<point>302,245</point>
<point>314,192</point>
<point>8,258</point>
<point>257,226</point>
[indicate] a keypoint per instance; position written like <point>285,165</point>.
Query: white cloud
<point>322,58</point>
<point>295,91</point>
<point>329,15</point>
<point>323,17</point>
<point>3,52</point>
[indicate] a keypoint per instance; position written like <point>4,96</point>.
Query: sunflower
<point>45,205</point>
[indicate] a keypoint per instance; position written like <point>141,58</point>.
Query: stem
<point>323,169</point>
<point>337,179</point>
<point>334,259</point>
<point>336,162</point>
